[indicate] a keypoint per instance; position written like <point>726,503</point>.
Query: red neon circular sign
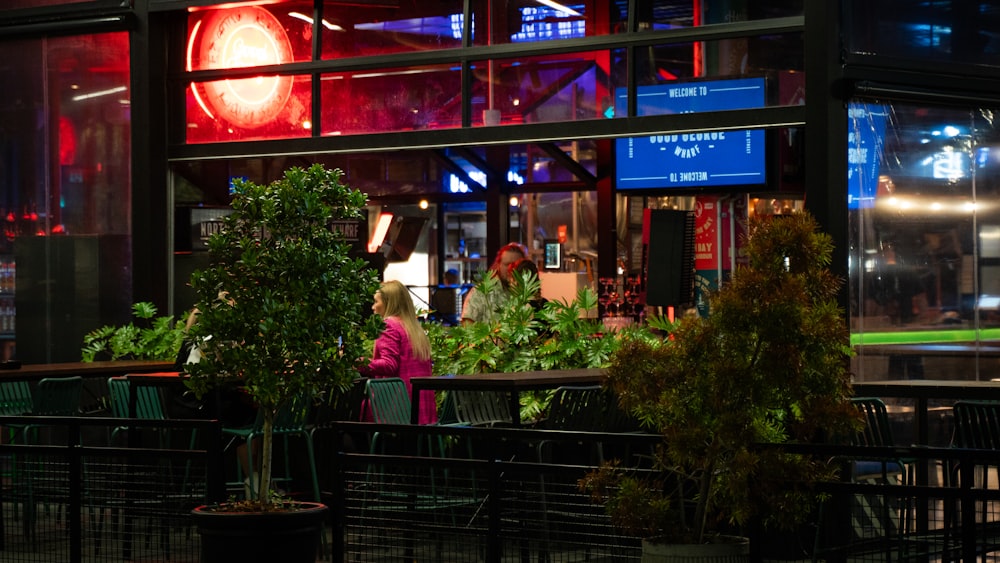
<point>238,38</point>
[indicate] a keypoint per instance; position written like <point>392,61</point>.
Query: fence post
<point>494,547</point>
<point>74,453</point>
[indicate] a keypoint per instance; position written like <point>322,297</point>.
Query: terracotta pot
<point>290,536</point>
<point>726,549</point>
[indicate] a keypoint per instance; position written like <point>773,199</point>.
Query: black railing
<point>66,495</point>
<point>455,494</point>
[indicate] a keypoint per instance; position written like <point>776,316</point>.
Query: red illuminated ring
<point>243,37</point>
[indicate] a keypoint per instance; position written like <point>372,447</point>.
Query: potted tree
<point>769,364</point>
<point>280,312</point>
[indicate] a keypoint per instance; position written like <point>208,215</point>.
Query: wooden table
<point>35,372</point>
<point>510,383</point>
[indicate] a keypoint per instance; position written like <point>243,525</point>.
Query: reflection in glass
<point>354,30</point>
<point>400,99</point>
<point>65,201</point>
<point>924,189</point>
<point>959,32</point>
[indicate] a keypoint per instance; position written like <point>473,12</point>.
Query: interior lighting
<point>99,93</point>
<point>308,20</point>
<point>307,124</point>
<point>936,206</point>
<point>423,204</point>
<point>380,232</point>
<point>513,201</point>
<point>559,7</point>
<point>194,87</point>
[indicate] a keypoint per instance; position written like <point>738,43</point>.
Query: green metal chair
<point>149,405</point>
<point>53,396</point>
<point>482,408</point>
<point>290,421</point>
<point>15,398</point>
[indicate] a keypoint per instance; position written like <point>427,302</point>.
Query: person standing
<point>403,349</point>
<point>480,307</point>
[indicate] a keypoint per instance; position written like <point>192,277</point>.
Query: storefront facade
<point>474,123</point>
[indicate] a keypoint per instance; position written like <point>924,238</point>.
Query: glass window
<point>671,14</point>
<point>513,21</point>
<point>392,99</point>
<point>21,4</point>
<point>352,30</point>
<point>244,36</point>
<point>564,87</point>
<point>263,107</point>
<point>65,193</point>
<point>924,190</point>
<point>778,57</point>
<point>961,32</point>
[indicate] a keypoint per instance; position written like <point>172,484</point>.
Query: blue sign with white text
<point>865,138</point>
<point>712,158</point>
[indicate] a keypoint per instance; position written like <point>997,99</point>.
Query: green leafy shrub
<point>148,337</point>
<point>770,364</point>
<point>520,337</point>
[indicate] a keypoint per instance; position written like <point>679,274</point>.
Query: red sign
<point>561,233</point>
<point>237,38</point>
<point>706,229</point>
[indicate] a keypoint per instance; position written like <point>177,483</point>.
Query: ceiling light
<point>308,20</point>
<point>559,7</point>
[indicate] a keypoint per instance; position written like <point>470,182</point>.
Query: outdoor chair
<point>291,421</point>
<point>36,482</point>
<point>481,408</point>
<point>389,488</point>
<point>880,523</point>
<point>572,408</point>
<point>15,398</point>
<point>977,427</point>
<point>148,406</point>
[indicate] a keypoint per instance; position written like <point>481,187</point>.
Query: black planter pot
<point>290,536</point>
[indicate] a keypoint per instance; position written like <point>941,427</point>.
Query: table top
<point>516,380</point>
<point>930,389</point>
<point>86,369</point>
<point>947,350</point>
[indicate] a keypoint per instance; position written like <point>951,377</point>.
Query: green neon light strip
<point>925,336</point>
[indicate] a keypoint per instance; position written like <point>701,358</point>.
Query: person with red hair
<point>481,306</point>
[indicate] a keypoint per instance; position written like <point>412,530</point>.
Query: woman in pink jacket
<point>403,349</point>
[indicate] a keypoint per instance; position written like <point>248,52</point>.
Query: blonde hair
<point>397,303</point>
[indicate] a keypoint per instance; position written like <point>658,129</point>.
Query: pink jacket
<point>393,357</point>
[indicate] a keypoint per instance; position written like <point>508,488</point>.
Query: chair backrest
<point>481,408</point>
<point>57,396</point>
<point>578,408</point>
<point>977,425</point>
<point>877,430</point>
<point>617,419</point>
<point>292,417</point>
<point>15,398</point>
<point>389,400</point>
<point>347,405</point>
<point>148,403</point>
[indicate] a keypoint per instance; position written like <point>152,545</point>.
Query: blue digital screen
<point>865,137</point>
<point>692,160</point>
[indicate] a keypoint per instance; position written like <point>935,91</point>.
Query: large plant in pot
<point>769,364</point>
<point>281,312</point>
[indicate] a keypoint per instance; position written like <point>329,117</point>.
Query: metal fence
<point>455,495</point>
<point>65,495</point>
